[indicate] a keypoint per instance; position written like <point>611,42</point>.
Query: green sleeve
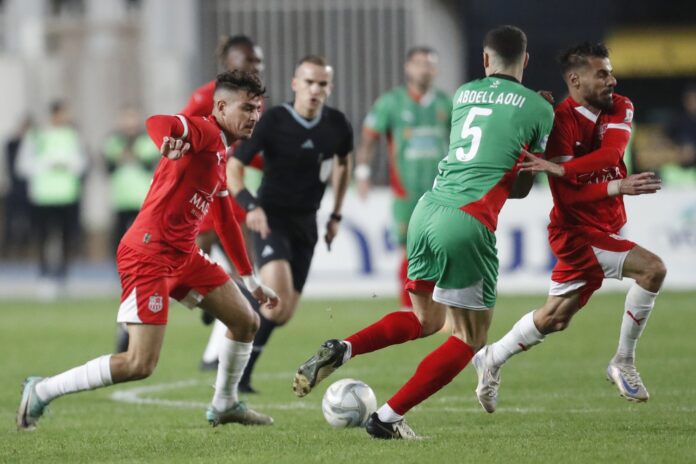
<point>379,117</point>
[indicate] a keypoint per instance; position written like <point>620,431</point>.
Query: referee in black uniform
<point>304,144</point>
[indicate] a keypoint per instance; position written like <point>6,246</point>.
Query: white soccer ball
<point>348,403</point>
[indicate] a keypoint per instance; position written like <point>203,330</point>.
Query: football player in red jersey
<point>584,159</point>
<point>158,259</point>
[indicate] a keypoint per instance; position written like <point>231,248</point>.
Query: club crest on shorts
<point>156,303</point>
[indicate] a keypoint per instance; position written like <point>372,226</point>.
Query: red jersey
<point>591,149</point>
<point>201,104</point>
<point>182,193</point>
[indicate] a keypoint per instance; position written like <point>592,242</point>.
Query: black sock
<point>262,336</point>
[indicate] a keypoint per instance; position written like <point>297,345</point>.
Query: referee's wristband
<point>247,200</point>
<point>336,217</point>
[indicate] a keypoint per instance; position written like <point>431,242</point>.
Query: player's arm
<point>232,241</point>
<point>636,184</point>
<point>377,122</point>
<point>363,160</point>
<point>169,133</point>
<point>522,185</point>
<point>339,182</point>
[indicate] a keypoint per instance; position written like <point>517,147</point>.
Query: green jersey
<point>492,120</point>
<point>417,133</point>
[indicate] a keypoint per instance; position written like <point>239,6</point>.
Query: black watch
<point>336,217</point>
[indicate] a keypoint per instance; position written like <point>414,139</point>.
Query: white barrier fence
<point>364,258</point>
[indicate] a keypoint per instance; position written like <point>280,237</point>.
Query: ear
<point>486,59</point>
<point>293,84</point>
<point>526,60</point>
<point>573,79</point>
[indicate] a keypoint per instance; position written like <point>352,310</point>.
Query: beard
<point>603,101</point>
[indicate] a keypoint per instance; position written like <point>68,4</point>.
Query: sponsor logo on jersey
<point>201,203</point>
<point>308,144</point>
<point>156,303</point>
<point>629,115</point>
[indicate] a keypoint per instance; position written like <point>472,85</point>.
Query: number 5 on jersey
<point>471,131</point>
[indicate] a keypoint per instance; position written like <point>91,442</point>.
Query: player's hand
<point>174,148</point>
<point>331,232</point>
<point>363,187</point>
<point>640,184</point>
<point>257,221</point>
<point>263,294</point>
<point>535,164</point>
<point>546,95</point>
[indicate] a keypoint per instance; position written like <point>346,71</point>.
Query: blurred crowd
<point>46,166</point>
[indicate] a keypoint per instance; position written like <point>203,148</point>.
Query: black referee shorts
<point>292,238</point>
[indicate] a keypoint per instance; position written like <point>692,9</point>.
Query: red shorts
<point>586,256</point>
<point>148,282</point>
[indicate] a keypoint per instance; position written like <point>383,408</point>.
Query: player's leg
<point>402,210</point>
<point>137,363</point>
<point>439,368</point>
<point>395,328</point>
<point>227,304</point>
<point>649,272</point>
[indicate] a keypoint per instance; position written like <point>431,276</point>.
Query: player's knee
<point>141,367</point>
<point>432,323</point>
<point>656,271</point>
<point>247,325</point>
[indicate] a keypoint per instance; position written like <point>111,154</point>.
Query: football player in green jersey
<point>452,257</point>
<point>415,118</point>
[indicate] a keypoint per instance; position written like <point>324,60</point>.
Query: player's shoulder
<point>623,106</point>
<point>202,130</point>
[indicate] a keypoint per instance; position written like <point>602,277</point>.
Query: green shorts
<point>456,252</point>
<point>402,209</point>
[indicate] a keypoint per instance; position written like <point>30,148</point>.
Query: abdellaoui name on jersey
<point>493,97</point>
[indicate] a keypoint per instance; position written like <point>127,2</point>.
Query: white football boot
<point>627,380</point>
<point>488,380</point>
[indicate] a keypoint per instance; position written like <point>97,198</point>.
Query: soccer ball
<point>348,403</point>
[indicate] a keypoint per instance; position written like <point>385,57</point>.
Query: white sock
<point>349,351</point>
<point>523,335</point>
<point>94,374</point>
<point>215,342</point>
<point>387,414</point>
<point>639,304</point>
<point>231,363</point>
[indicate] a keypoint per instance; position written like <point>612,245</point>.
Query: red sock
<point>434,372</point>
<point>403,276</point>
<point>392,329</point>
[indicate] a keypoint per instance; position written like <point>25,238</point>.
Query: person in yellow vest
<point>131,158</point>
<point>53,160</point>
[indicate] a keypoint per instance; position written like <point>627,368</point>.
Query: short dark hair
<point>228,42</point>
<point>508,42</point>
<point>424,49</point>
<point>240,80</point>
<point>57,106</point>
<point>313,59</point>
<point>577,55</point>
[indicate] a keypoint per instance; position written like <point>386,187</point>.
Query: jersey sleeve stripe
<point>621,126</point>
<point>184,122</point>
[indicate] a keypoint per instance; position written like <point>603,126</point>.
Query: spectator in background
<point>17,224</point>
<point>131,158</point>
<point>682,132</point>
<point>52,160</point>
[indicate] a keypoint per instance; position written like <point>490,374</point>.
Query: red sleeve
<point>257,162</point>
<point>616,138</point>
<point>161,126</point>
<point>230,234</point>
<point>575,193</point>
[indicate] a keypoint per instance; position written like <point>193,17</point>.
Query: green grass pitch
<point>554,406</point>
